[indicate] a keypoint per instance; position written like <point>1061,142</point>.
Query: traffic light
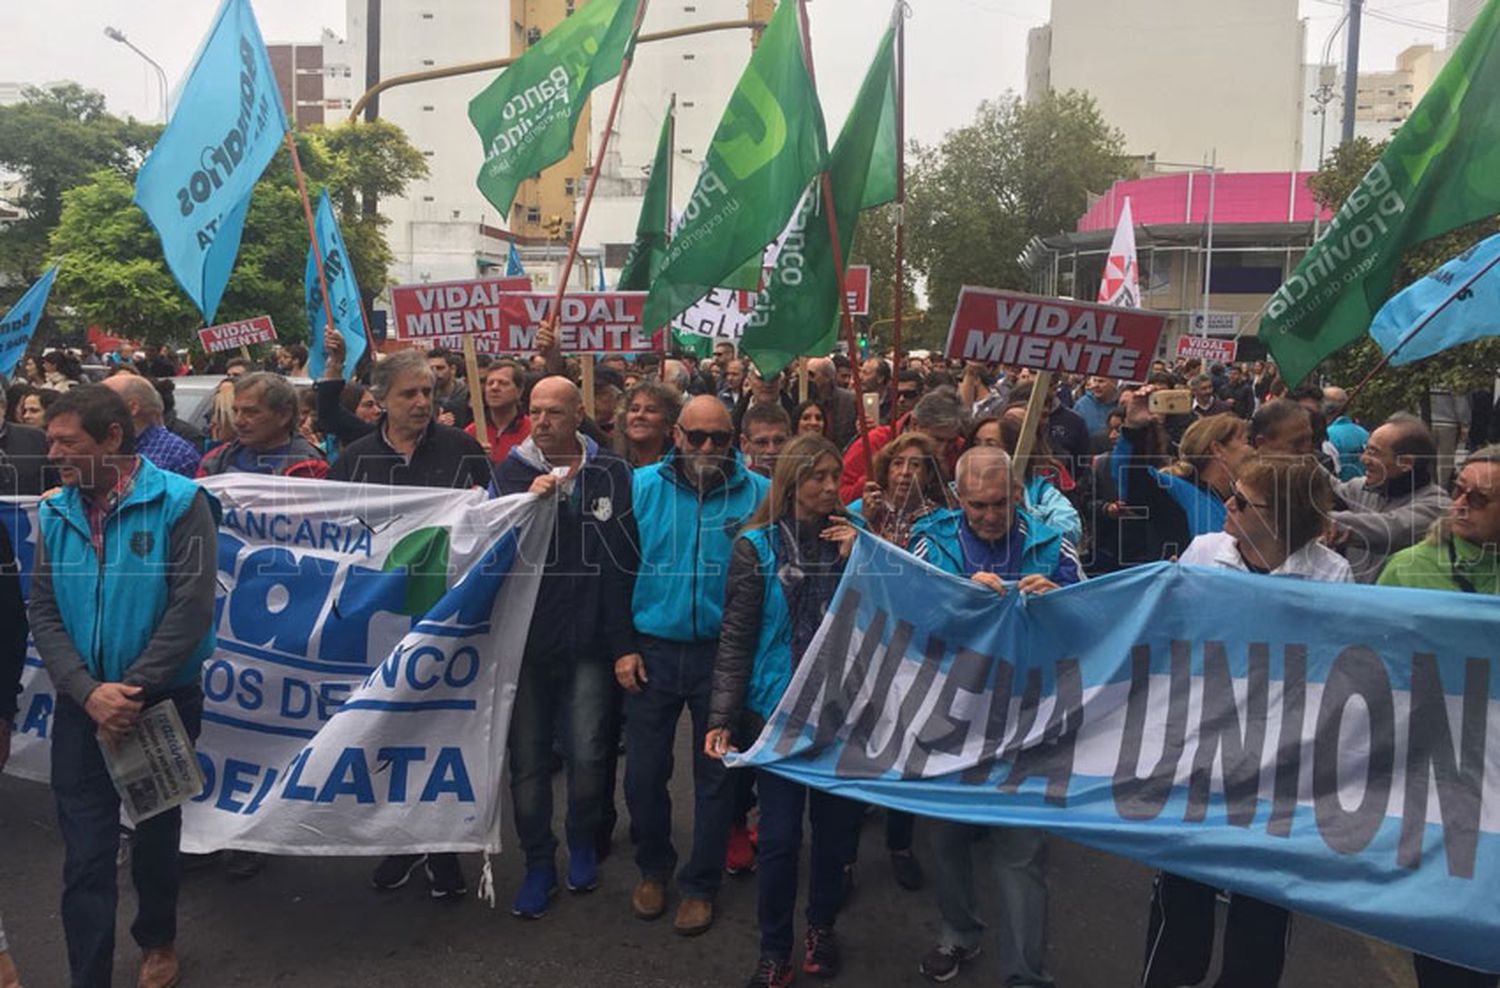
<point>553,226</point>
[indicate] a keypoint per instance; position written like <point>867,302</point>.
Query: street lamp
<point>114,34</point>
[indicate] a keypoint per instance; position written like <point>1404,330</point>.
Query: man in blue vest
<point>122,608</point>
<point>688,508</point>
<point>993,541</point>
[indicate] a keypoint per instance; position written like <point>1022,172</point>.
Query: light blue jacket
<point>934,538</point>
<point>686,540</point>
<point>111,607</point>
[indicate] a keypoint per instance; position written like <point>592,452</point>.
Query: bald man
<point>689,508</point>
<point>153,440</point>
<point>581,624</point>
<point>840,407</point>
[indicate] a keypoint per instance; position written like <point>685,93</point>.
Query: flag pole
<point>898,293</point>
<point>588,196</point>
<point>312,236</point>
<point>846,320</point>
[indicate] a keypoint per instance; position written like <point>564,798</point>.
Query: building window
<point>533,35</point>
<point>686,152</point>
<point>428,109</point>
<point>426,17</point>
<point>568,8</point>
<point>427,199</point>
<point>688,57</point>
<point>569,187</point>
<point>533,215</point>
<point>690,9</point>
<point>428,61</point>
<point>428,154</point>
<point>347,73</point>
<point>688,104</point>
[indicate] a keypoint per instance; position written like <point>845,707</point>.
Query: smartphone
<point>1171,402</point>
<point>872,407</point>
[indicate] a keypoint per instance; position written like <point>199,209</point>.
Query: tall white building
<point>1182,80</point>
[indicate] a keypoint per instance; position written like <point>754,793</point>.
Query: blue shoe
<point>539,886</point>
<point>583,869</point>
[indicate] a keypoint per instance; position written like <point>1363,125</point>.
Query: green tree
<point>1020,170</point>
<point>54,140</point>
<point>1468,367</point>
<point>113,274</point>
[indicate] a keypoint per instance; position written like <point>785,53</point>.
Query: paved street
<point>317,922</point>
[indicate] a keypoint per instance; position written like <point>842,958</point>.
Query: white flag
<point>1121,284</point>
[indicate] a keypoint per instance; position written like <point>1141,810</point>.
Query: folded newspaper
<point>155,768</point>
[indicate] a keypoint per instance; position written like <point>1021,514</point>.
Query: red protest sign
<point>857,287</point>
<point>504,321</point>
<point>1053,334</point>
<point>1207,349</point>
<point>233,335</point>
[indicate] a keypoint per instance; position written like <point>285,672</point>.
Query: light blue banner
<point>343,295</point>
<point>1326,747</point>
<point>19,324</point>
<point>1457,303</point>
<point>513,268</point>
<point>226,127</point>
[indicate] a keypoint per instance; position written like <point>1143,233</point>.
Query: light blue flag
<point>343,296</point>
<point>513,268</point>
<point>602,286</point>
<point>1457,303</point>
<point>195,185</point>
<point>20,322</point>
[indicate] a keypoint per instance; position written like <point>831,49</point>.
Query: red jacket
<point>852,484</point>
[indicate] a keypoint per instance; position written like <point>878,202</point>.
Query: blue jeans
<point>549,687</point>
<point>835,828</point>
<point>88,814</point>
<point>678,674</point>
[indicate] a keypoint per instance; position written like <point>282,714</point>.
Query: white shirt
<point>1314,561</point>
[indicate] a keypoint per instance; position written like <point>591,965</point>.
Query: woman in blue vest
<point>783,572</point>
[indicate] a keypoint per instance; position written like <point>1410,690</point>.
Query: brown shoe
<point>159,969</point>
<point>649,900</point>
<point>694,916</point>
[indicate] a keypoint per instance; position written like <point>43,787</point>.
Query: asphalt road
<point>317,922</point>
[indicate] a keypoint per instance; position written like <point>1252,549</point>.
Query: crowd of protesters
<point>712,509</point>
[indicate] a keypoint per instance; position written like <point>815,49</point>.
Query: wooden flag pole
<point>476,394</point>
<point>588,195</point>
<point>846,320</point>
<point>1041,386</point>
<point>898,293</point>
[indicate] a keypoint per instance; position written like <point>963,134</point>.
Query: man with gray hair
<point>939,415</point>
<point>23,454</point>
<point>265,433</point>
<point>152,439</point>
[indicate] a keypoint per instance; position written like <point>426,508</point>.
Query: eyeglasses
<point>697,437</point>
<point>1240,502</point>
<point>1476,500</point>
<point>908,395</point>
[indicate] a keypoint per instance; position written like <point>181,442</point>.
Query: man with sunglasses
<point>689,509</point>
<point>1458,554</point>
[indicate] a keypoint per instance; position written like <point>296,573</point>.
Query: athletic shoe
<point>739,856</point>
<point>822,957</point>
<point>771,973</point>
<point>942,963</point>
<point>583,869</point>
<point>445,877</point>
<point>907,869</point>
<point>537,888</point>
<point>395,871</point>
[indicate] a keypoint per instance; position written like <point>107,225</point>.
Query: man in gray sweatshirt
<point>1391,507</point>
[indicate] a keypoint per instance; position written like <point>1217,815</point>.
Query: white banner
<point>368,644</point>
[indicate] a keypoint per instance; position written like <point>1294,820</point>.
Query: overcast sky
<point>959,51</point>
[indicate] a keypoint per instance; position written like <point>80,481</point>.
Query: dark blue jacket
<point>583,604</point>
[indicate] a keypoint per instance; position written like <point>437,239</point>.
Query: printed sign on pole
<point>503,320</point>
<point>857,287</point>
<point>1216,323</point>
<point>1207,349</point>
<point>1053,334</point>
<point>233,335</point>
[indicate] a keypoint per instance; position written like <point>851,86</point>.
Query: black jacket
<point>583,607</point>
<point>13,628</point>
<point>445,457</point>
<point>331,418</point>
<point>23,454</point>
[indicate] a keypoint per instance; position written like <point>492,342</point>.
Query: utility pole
<point>1351,69</point>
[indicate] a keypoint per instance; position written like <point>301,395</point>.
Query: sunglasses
<point>1475,500</point>
<point>697,437</point>
<point>1240,502</point>
<point>908,395</point>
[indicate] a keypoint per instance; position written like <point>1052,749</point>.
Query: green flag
<point>798,311</point>
<point>651,230</point>
<point>1440,171</point>
<point>769,144</point>
<point>527,116</point>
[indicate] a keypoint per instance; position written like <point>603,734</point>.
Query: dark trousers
<point>835,827</point>
<point>679,674</point>
<point>614,726</point>
<point>88,814</point>
<point>1433,973</point>
<point>1180,937</point>
<point>556,694</point>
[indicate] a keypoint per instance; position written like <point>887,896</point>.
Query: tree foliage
<point>113,274</point>
<point>1020,170</point>
<point>1464,368</point>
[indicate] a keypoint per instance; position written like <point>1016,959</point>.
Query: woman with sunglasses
<point>783,572</point>
<point>1459,555</point>
<point>1277,511</point>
